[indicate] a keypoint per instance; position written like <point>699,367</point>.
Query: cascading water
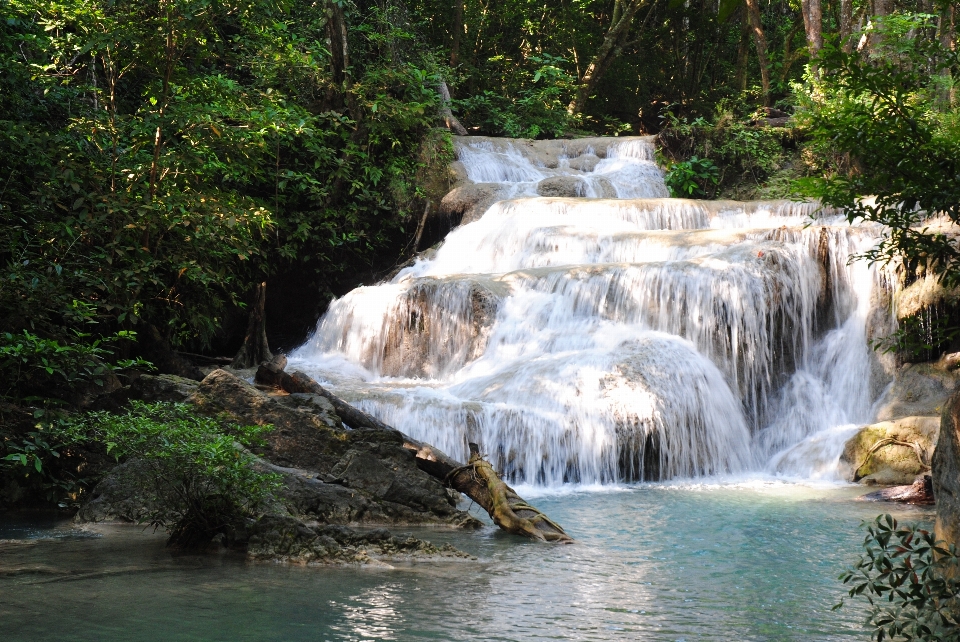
<point>593,340</point>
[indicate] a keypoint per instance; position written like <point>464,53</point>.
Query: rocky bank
<point>332,477</point>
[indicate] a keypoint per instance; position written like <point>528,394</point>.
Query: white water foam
<point>594,341</point>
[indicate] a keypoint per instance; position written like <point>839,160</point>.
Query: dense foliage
<point>157,157</point>
<point>888,121</point>
<point>910,582</point>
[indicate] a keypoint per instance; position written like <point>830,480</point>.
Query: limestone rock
<point>584,163</point>
<point>918,390</point>
<point>162,388</point>
<point>329,473</point>
<point>288,540</point>
<point>308,435</point>
<point>923,293</point>
<point>562,186</point>
<point>469,201</point>
<point>890,452</point>
<point>946,473</point>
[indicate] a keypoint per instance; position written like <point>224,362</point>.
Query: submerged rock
<point>890,452</point>
<point>919,493</point>
<point>284,539</point>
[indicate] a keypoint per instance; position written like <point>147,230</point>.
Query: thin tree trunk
<point>743,53</point>
<point>255,349</point>
<point>813,25</point>
<point>456,32</point>
<point>846,25</point>
<point>760,42</point>
<point>948,40</point>
<point>623,14</point>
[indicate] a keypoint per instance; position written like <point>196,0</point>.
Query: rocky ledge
<point>332,477</point>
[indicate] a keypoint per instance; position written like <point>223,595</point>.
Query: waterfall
<point>619,334</point>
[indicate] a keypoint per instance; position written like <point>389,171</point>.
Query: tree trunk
<point>477,479</point>
<point>623,14</point>
<point>255,349</point>
<point>813,25</point>
<point>760,42</point>
<point>846,25</point>
<point>947,34</point>
<point>448,118</point>
<point>456,32</point>
<point>743,53</point>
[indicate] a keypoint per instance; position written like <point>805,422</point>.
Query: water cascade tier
<point>616,334</point>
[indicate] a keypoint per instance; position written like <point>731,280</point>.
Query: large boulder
<point>946,473</point>
<point>918,389</point>
<point>309,435</point>
<point>468,202</point>
<point>562,186</point>
<point>329,473</point>
<point>890,452</point>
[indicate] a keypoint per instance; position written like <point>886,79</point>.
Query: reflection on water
<point>749,561</point>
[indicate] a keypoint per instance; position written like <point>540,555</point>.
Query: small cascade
<point>618,334</point>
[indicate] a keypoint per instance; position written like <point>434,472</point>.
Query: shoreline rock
<point>331,476</point>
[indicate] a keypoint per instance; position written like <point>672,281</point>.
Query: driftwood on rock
<point>255,349</point>
<point>477,479</point>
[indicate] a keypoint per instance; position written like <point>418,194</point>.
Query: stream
<point>754,560</point>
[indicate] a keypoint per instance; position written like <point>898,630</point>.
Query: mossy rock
<point>891,452</point>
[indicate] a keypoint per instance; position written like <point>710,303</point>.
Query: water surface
<point>749,561</point>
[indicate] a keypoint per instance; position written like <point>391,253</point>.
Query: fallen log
<point>477,479</point>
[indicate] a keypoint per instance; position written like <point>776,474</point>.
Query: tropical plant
<point>911,583</point>
<point>691,178</point>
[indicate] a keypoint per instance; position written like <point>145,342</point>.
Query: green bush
<point>910,581</point>
<point>691,178</point>
<point>746,156</point>
<point>192,474</point>
<point>533,105</point>
<point>31,364</point>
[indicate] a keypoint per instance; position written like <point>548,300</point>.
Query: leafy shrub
<point>191,473</point>
<point>534,106</point>
<point>690,178</point>
<point>746,156</point>
<point>29,363</point>
<point>910,581</point>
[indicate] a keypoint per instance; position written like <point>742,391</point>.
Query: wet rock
<point>562,186</point>
<point>585,163</point>
<point>923,293</point>
<point>946,473</point>
<point>919,493</point>
<point>309,435</point>
<point>890,452</point>
<point>467,202</point>
<point>918,390</point>
<point>286,539</point>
